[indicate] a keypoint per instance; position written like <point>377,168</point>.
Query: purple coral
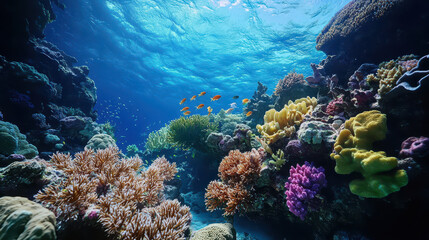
<point>304,183</point>
<point>415,147</point>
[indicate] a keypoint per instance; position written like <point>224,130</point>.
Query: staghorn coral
<point>158,140</point>
<point>190,131</point>
<point>238,172</point>
<point>281,124</point>
<point>129,205</point>
<point>352,154</point>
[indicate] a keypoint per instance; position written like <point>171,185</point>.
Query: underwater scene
<point>214,119</point>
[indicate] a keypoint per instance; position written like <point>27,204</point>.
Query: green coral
<point>158,140</point>
<point>190,131</point>
<point>13,142</point>
<point>279,159</point>
<point>133,150</point>
<point>353,154</point>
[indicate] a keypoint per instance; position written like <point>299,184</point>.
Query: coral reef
<point>158,140</point>
<point>241,140</point>
<point>315,132</point>
<point>101,141</point>
<point>353,154</point>
<point>292,87</point>
<point>23,219</point>
<point>415,147</point>
<point>304,183</point>
<point>281,124</point>
<point>238,172</point>
<point>13,142</point>
<point>259,104</point>
<point>215,231</point>
<point>128,205</point>
<point>190,131</point>
<point>368,23</point>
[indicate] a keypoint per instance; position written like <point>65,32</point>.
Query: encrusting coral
<point>128,205</point>
<point>238,172</point>
<point>353,154</point>
<point>23,219</point>
<point>281,124</point>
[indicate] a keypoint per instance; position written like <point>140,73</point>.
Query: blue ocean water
<point>146,55</point>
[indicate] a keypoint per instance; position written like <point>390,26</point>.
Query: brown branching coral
<point>288,81</point>
<point>129,205</point>
<point>238,172</point>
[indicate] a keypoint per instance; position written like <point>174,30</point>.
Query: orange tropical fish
<point>193,97</point>
<point>184,109</point>
<point>248,113</point>
<point>186,113</point>
<point>215,97</point>
<point>183,100</point>
<point>229,110</point>
<point>200,106</point>
<point>245,101</point>
<point>201,94</point>
<point>210,110</point>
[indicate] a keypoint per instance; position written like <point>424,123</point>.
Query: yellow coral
<point>353,154</point>
<point>281,124</point>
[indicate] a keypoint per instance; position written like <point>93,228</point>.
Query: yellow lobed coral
<point>353,154</point>
<point>281,124</point>
<point>388,73</point>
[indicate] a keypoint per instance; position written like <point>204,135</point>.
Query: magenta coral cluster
<point>335,107</point>
<point>303,184</point>
<point>415,147</point>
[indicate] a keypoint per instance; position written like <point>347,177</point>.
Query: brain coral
<point>281,124</point>
<point>353,154</point>
<point>23,219</point>
<point>101,141</point>
<point>12,141</point>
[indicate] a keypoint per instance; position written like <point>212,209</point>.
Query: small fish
<point>186,113</point>
<point>248,113</point>
<point>245,101</point>
<point>210,110</point>
<point>193,97</point>
<point>235,97</point>
<point>200,106</point>
<point>64,142</point>
<point>215,97</point>
<point>229,110</point>
<point>184,109</point>
<point>183,100</point>
<point>201,94</point>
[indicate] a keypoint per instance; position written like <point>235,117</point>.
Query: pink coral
<point>335,107</point>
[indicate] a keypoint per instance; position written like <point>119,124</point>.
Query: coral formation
<point>238,172</point>
<point>259,104</point>
<point>13,142</point>
<point>101,141</point>
<point>316,132</point>
<point>129,205</point>
<point>353,154</point>
<point>215,231</point>
<point>190,131</point>
<point>158,140</point>
<point>23,219</point>
<point>281,124</point>
<point>303,184</point>
<point>292,87</point>
<point>241,139</point>
<point>415,147</point>
<point>279,159</point>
